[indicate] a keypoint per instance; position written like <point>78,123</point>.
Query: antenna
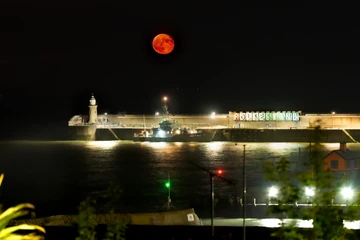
<point>212,175</point>
<point>168,206</point>
<point>165,108</point>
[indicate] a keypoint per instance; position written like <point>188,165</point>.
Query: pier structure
<point>249,126</point>
<point>306,121</point>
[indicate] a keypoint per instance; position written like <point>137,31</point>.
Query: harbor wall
<point>227,134</point>
<point>106,134</point>
<point>285,135</point>
<point>82,132</point>
<point>327,121</point>
<point>227,128</point>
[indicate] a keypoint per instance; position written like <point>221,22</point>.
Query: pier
<point>250,126</point>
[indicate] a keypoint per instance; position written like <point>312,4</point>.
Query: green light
<point>167,184</point>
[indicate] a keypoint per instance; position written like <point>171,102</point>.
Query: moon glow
<point>163,43</point>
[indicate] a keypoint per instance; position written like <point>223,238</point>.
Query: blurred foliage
<point>328,219</point>
<point>104,203</point>
<point>87,219</point>
<point>9,233</point>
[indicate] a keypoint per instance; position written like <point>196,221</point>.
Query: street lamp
<point>273,192</point>
<point>347,193</point>
<point>309,191</point>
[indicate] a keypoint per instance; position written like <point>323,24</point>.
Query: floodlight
<point>347,192</point>
<point>273,192</point>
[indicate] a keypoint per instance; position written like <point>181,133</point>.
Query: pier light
<point>347,193</point>
<point>213,114</point>
<point>309,191</point>
<point>156,113</point>
<point>273,192</point>
<point>219,171</point>
<point>165,99</point>
<point>167,184</point>
<point>105,113</point>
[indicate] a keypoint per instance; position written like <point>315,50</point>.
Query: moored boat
<point>171,131</point>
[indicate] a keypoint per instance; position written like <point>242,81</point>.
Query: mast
<point>165,109</point>
<point>144,123</point>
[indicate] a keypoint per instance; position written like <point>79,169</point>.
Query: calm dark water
<point>56,176</point>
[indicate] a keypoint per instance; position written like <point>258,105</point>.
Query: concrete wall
<point>105,134</point>
<point>334,121</point>
<point>81,132</point>
<point>153,121</point>
<point>124,127</point>
<point>286,135</point>
<point>186,217</point>
<point>306,121</point>
<point>227,134</point>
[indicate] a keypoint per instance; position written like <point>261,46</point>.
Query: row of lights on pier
<point>346,192</point>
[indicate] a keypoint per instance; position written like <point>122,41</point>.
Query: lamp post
<point>212,205</point>
<point>168,204</point>
<point>244,194</point>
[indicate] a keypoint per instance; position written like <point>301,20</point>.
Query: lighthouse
<point>92,110</point>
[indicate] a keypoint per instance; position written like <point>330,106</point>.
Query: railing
<point>296,204</point>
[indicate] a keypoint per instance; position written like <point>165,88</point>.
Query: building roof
<point>348,155</point>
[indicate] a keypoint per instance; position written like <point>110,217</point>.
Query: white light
<point>309,191</point>
<point>103,144</point>
<point>161,133</point>
<point>273,192</point>
<point>157,114</point>
<point>213,115</point>
<point>105,114</point>
<point>347,192</point>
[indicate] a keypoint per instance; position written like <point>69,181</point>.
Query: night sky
<point>227,57</point>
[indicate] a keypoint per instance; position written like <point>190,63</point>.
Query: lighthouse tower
<point>92,110</point>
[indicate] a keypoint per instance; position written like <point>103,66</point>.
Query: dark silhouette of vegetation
<point>100,204</point>
<point>328,218</point>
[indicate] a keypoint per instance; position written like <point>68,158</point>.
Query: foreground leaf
<point>1,178</point>
<point>24,237</point>
<point>8,231</point>
<point>14,212</point>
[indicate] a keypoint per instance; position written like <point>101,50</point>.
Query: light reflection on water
<point>102,144</point>
<point>270,223</point>
<point>60,169</point>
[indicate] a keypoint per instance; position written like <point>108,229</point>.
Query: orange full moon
<point>163,43</point>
